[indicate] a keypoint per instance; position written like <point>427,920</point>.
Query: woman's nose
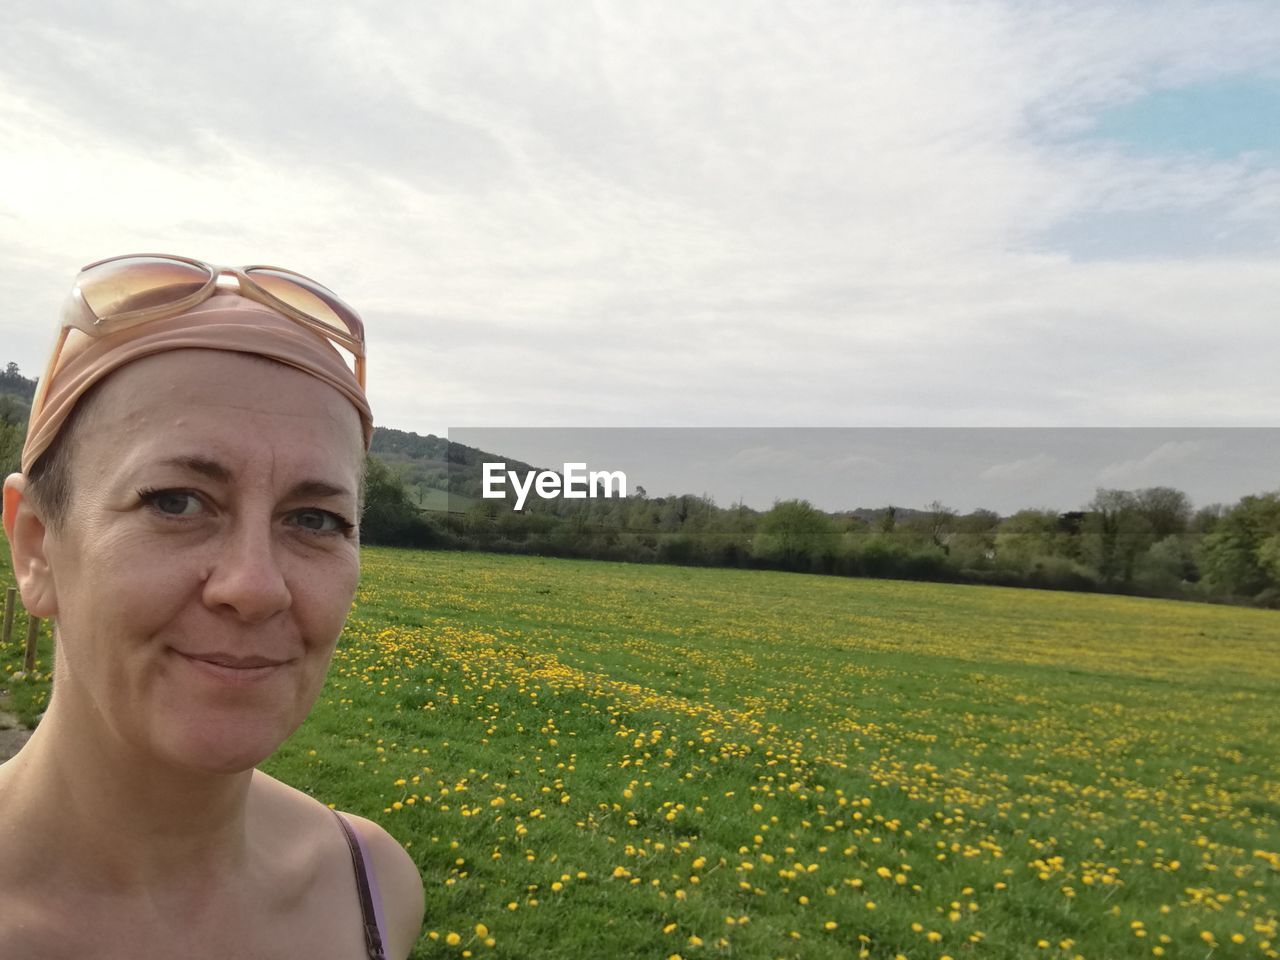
<point>246,577</point>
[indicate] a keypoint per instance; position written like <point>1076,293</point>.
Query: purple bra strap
<point>367,885</point>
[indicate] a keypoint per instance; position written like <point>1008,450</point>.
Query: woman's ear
<point>26,530</point>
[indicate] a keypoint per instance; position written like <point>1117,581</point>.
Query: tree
<point>13,433</point>
<point>972,546</point>
<point>11,439</point>
<point>13,383</point>
<point>672,514</point>
<point>979,521</point>
<point>389,515</point>
<point>1268,554</point>
<point>1167,510</point>
<point>1166,565</point>
<point>14,412</point>
<point>941,521</point>
<point>1239,557</point>
<point>796,535</point>
<point>1116,533</point>
<point>1206,518</point>
<point>1026,535</point>
<point>888,520</point>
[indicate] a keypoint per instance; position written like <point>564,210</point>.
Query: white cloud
<point>1021,470</point>
<point>859,462</point>
<point>1163,456</point>
<point>724,213</point>
<point>756,458</point>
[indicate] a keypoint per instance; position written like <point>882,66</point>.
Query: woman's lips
<point>234,669</point>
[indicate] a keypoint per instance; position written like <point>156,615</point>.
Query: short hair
<point>49,479</point>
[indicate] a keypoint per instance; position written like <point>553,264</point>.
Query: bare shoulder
<point>399,882</point>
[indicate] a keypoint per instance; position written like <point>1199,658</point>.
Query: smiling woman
<point>187,516</point>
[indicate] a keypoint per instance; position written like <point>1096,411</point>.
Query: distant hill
<point>447,476</point>
<point>15,410</point>
<point>441,475</point>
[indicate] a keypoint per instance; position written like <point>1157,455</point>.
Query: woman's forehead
<point>200,377</point>
<point>241,404</point>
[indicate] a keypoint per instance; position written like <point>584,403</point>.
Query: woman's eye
<point>175,503</point>
<point>321,521</point>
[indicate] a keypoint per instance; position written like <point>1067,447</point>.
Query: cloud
<point>1161,458</point>
<point>859,462</point>
<point>1027,468</point>
<point>712,214</point>
<point>760,458</point>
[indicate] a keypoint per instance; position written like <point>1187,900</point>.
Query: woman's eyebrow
<point>202,465</point>
<point>317,488</point>
<point>219,473</point>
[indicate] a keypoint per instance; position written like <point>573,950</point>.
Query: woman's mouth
<point>232,668</point>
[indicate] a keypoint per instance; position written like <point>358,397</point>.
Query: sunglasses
<point>122,292</point>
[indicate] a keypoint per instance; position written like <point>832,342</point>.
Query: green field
<point>607,760</point>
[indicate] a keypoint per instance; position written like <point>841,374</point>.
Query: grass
<point>591,759</point>
<point>24,693</point>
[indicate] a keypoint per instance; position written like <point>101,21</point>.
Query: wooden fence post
<point>33,631</point>
<point>10,602</point>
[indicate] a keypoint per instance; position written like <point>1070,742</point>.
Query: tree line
<point>1149,542</point>
<point>424,492</point>
<point>16,393</point>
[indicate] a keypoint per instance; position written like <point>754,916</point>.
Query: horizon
<point>1000,469</point>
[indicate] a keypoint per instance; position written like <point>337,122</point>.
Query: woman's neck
<point>111,818</point>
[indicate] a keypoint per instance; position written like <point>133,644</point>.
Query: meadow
<point>613,760</point>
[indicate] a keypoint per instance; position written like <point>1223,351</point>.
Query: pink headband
<point>223,322</point>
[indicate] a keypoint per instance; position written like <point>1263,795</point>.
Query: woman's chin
<point>223,748</point>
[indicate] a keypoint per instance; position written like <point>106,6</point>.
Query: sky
<point>1005,469</point>
<point>721,214</point>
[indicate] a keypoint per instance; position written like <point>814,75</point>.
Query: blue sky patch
<point>1165,234</point>
<point>1221,119</point>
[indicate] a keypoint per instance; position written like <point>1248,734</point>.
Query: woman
<point>187,516</point>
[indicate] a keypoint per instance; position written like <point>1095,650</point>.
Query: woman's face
<point>209,558</point>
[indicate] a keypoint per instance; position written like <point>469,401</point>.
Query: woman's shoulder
<point>398,880</point>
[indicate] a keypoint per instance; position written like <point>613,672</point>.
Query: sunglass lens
<point>311,298</point>
<point>121,286</point>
